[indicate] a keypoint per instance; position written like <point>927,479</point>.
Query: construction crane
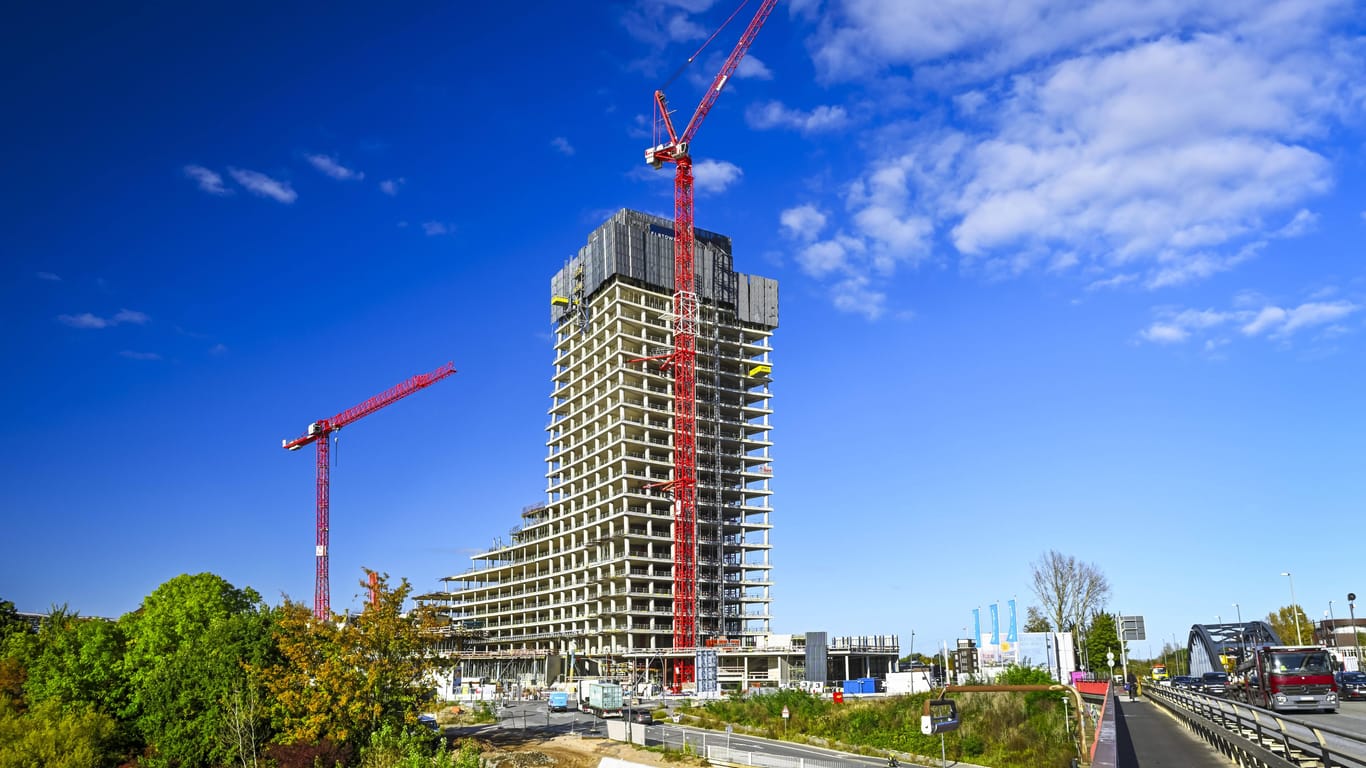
<point>677,150</point>
<point>318,433</point>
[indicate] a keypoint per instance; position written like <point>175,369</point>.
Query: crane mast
<point>684,357</point>
<point>318,433</point>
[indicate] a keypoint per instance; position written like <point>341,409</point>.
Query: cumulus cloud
<point>90,320</point>
<point>329,166</point>
<point>773,114</point>
<point>804,222</point>
<point>1070,147</point>
<point>1266,320</point>
<point>752,68</point>
<point>390,186</point>
<point>562,145</point>
<point>715,175</point>
<point>208,180</point>
<point>260,184</point>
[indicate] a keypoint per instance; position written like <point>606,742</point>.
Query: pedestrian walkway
<point>1146,736</point>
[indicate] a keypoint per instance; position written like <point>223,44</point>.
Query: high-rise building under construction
<point>590,572</point>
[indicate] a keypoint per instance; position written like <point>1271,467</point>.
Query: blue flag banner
<point>976,625</point>
<point>995,626</point>
<point>1011,637</point>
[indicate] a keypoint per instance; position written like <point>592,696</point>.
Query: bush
<point>324,754</point>
<point>56,735</point>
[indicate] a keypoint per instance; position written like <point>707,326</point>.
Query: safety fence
<point>1252,736</point>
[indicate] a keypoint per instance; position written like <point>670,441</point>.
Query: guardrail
<point>1252,736</point>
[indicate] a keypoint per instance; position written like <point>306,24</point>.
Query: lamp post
<point>1332,623</point>
<point>1294,608</point>
<point>1356,636</point>
<point>1240,631</point>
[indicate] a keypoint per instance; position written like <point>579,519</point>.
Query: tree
<point>75,660</point>
<point>1035,621</point>
<point>1101,637</point>
<point>55,735</point>
<point>1282,620</point>
<point>1069,590</point>
<point>188,649</point>
<point>344,679</point>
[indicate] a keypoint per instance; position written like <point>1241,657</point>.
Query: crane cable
<point>693,57</point>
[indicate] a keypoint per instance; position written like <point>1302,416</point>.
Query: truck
<point>558,701</point>
<point>1288,678</point>
<point>604,698</point>
<point>1159,672</point>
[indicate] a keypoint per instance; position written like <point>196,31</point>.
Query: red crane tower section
<point>317,433</point>
<point>684,358</point>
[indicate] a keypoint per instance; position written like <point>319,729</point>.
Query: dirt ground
<point>513,750</point>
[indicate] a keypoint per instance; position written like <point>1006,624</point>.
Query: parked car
<point>1214,684</point>
<point>428,722</point>
<point>642,716</point>
<point>1186,682</point>
<point>1351,685</point>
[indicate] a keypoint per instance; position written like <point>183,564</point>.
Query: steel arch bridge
<point>1209,642</point>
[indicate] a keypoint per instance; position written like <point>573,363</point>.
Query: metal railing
<point>1252,736</point>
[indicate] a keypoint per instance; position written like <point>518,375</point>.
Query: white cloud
<point>89,320</point>
<point>1165,333</point>
<point>390,186</point>
<point>715,175</point>
<point>329,166</point>
<point>208,180</point>
<point>1252,321</point>
<point>1304,222</point>
<point>753,69</point>
<point>51,277</point>
<point>435,228</point>
<point>129,316</point>
<point>562,145</point>
<point>1150,143</point>
<point>804,222</point>
<point>263,185</point>
<point>774,114</point>
<point>131,355</point>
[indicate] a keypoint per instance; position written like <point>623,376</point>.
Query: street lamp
<point>1332,623</point>
<point>1294,608</point>
<point>1240,631</point>
<point>1356,636</point>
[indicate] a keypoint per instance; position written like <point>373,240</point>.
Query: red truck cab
<point>1287,678</point>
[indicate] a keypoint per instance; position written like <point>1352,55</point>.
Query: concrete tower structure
<point>590,571</point>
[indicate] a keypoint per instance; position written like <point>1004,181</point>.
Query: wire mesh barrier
<point>714,747</point>
<point>1252,736</point>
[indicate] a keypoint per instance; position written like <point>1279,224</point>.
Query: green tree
<point>1282,620</point>
<point>188,649</point>
<point>1035,621</point>
<point>1101,637</point>
<point>76,660</point>
<point>343,680</point>
<point>55,735</point>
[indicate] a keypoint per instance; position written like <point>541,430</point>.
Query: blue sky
<point>1074,275</point>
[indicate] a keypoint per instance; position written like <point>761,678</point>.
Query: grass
<point>1000,730</point>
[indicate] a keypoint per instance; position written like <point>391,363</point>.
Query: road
<point>534,715</point>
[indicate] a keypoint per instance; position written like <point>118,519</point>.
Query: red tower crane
<point>317,433</point>
<point>684,358</point>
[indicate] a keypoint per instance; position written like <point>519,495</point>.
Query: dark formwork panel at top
<point>641,247</point>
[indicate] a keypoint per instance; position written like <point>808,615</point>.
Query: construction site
<point>649,560</point>
<point>598,579</point>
